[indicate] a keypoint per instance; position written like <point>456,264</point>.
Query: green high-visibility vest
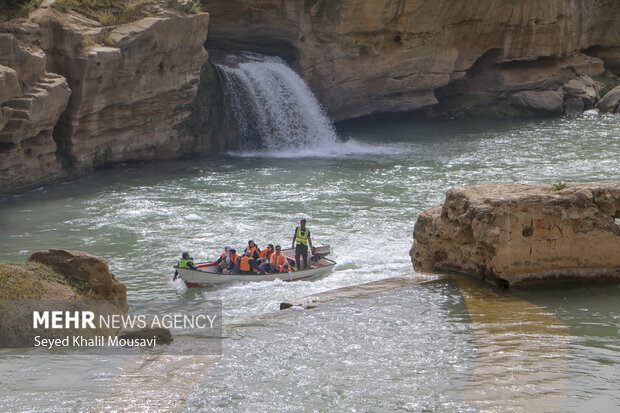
<point>302,238</point>
<point>183,263</point>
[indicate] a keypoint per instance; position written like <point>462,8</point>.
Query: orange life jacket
<point>253,249</point>
<point>245,264</point>
<point>223,257</point>
<point>233,258</point>
<point>263,254</point>
<point>280,260</point>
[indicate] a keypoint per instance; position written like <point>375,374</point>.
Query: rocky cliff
<point>77,92</point>
<point>371,56</point>
<point>31,102</point>
<point>523,234</point>
<point>77,95</point>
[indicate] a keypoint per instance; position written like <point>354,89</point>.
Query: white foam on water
<point>278,114</point>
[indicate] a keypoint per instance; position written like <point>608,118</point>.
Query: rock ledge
<point>523,234</point>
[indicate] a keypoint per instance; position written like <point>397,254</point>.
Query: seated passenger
<point>231,260</point>
<point>278,261</point>
<point>246,265</point>
<point>222,262</point>
<point>263,258</point>
<point>253,248</point>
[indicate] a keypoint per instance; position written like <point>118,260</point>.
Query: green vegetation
<point>33,286</point>
<point>23,281</point>
<point>10,9</point>
<point>106,12</point>
<point>107,154</point>
<point>560,185</point>
<point>193,7</point>
<point>100,38</point>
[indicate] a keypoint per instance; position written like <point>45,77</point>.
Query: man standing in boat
<point>301,240</point>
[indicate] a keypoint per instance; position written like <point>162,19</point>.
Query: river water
<point>448,344</point>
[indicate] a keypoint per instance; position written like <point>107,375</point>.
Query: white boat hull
<point>207,276</point>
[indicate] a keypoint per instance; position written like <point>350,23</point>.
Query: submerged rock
<point>523,234</point>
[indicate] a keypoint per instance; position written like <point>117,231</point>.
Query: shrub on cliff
<point>193,7</point>
<point>106,12</point>
<point>10,9</point>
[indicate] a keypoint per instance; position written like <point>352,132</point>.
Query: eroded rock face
<point>93,271</point>
<point>93,95</point>
<point>523,234</point>
<point>127,97</point>
<point>371,56</point>
<point>31,102</point>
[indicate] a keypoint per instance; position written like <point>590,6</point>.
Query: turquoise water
<point>416,348</point>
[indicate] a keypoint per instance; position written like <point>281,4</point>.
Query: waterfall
<point>275,109</point>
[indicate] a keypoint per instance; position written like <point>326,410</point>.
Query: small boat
<point>206,274</point>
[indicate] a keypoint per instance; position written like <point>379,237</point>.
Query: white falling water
<point>276,111</point>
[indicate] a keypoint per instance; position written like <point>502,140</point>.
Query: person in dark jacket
<point>232,260</point>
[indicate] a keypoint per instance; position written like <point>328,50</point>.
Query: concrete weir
<point>357,291</point>
<point>523,352</point>
<point>155,383</point>
<point>522,349</point>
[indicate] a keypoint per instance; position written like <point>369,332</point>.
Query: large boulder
<point>582,88</point>
<point>88,269</point>
<point>611,101</point>
<point>545,102</point>
<point>523,234</point>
